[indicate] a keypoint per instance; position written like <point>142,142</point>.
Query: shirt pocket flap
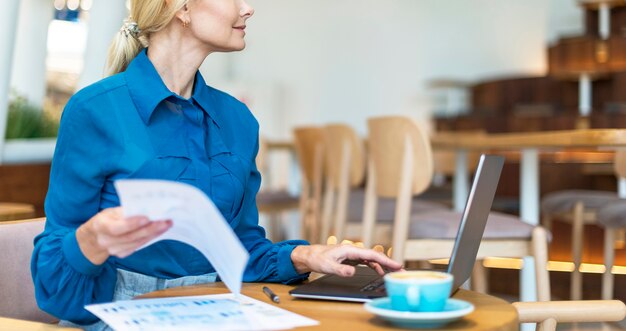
<point>230,163</point>
<point>165,167</point>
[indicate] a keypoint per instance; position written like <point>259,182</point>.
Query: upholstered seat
<point>442,224</point>
<point>17,291</point>
<point>385,212</point>
<point>279,199</point>
<point>564,201</point>
<point>613,215</point>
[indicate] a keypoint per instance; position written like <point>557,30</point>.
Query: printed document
<point>208,312</point>
<point>196,222</point>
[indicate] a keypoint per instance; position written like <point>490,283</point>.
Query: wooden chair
<point>273,202</point>
<point>548,314</point>
<point>344,197</point>
<point>309,144</point>
<point>10,211</point>
<point>16,285</point>
<point>345,172</point>
<point>612,217</point>
<point>401,165</point>
<point>579,207</point>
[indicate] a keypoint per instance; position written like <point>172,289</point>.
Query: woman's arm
<point>70,264</point>
<point>65,280</point>
<point>291,261</point>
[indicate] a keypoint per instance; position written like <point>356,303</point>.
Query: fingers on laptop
<point>378,261</point>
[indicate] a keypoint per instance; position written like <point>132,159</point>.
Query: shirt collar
<point>205,98</point>
<point>147,89</point>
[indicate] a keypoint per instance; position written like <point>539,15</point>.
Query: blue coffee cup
<point>418,291</point>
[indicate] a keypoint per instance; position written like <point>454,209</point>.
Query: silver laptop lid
<point>475,214</point>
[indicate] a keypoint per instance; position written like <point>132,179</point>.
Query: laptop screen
<point>475,214</point>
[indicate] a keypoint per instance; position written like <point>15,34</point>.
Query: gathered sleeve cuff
<point>75,258</point>
<point>65,281</point>
<point>272,262</point>
<point>286,270</point>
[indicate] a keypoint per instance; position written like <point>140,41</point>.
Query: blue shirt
<point>131,126</point>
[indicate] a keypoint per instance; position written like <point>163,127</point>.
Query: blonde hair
<point>149,16</point>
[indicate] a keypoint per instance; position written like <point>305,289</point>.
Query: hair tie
<point>130,28</point>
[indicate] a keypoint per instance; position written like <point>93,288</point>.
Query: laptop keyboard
<point>375,285</point>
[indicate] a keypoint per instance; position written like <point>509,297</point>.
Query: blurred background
<point>306,62</point>
<point>453,65</point>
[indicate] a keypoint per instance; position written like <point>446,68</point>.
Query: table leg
<point>529,212</point>
<point>529,186</point>
<point>621,188</point>
<point>460,181</point>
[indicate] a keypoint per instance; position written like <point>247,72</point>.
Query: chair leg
<point>479,277</point>
<point>547,325</point>
<point>577,248</point>
<point>547,222</point>
<point>609,256</point>
<point>540,253</point>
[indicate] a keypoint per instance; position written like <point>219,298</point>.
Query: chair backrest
<point>344,148</point>
<point>387,142</point>
<point>400,165</point>
<point>548,314</point>
<point>309,144</point>
<point>345,169</point>
<point>16,286</point>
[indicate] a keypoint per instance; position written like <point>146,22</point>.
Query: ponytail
<point>124,47</point>
<point>147,16</point>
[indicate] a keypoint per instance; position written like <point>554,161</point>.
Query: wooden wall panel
<point>26,183</point>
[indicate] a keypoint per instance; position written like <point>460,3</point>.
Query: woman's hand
<point>109,233</point>
<point>328,259</point>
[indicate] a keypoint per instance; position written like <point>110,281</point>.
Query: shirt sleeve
<point>65,280</point>
<point>269,262</point>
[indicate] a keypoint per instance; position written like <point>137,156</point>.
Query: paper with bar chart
<point>208,312</point>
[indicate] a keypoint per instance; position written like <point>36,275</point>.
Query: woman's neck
<point>175,60</point>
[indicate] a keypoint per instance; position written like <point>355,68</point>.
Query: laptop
<point>366,284</point>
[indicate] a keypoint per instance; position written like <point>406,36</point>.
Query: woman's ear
<point>183,15</point>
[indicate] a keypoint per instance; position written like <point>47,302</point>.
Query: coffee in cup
<point>418,291</point>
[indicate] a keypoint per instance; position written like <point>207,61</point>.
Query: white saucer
<point>453,310</point>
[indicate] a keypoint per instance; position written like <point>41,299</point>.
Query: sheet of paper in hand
<point>196,222</point>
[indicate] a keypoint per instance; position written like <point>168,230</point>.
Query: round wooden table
<point>7,324</point>
<point>10,211</point>
<point>490,312</point>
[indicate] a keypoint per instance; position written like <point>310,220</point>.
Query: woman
<point>155,117</point>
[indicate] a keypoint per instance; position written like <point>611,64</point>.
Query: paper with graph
<point>209,312</point>
<point>196,222</point>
